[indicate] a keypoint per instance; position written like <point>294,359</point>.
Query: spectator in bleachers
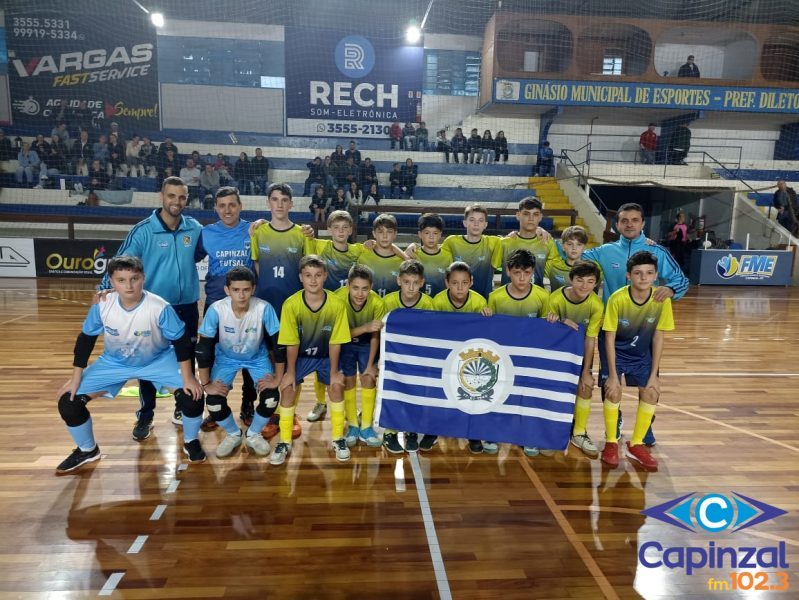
<point>315,177</point>
<point>395,135</point>
<point>487,147</point>
<point>442,144</point>
<point>198,162</point>
<point>338,157</point>
<point>689,69</point>
<point>354,153</point>
<point>190,175</point>
<point>409,174</point>
<point>395,180</point>
<point>115,130</point>
<point>61,131</point>
<point>54,162</point>
<point>408,137</point>
<point>422,136</point>
<point>6,152</point>
<point>319,204</point>
<point>167,145</point>
<point>259,167</point>
<point>354,194</point>
<point>222,166</point>
<point>338,201</point>
<point>546,161</point>
<point>41,146</point>
<point>80,118</point>
<point>348,173</point>
<point>81,155</point>
<point>501,147</point>
<point>209,184</point>
<point>648,142</point>
<point>27,165</point>
<point>474,147</point>
<point>784,201</point>
<point>117,152</point>
<point>100,151</point>
<point>148,155</point>
<point>98,176</point>
<point>331,170</point>
<point>372,198</point>
<point>132,160</point>
<point>460,145</point>
<point>367,174</point>
<point>243,175</point>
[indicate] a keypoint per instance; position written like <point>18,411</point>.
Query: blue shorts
<point>354,358</point>
<point>636,374</point>
<point>104,375</point>
<point>306,366</point>
<point>225,368</point>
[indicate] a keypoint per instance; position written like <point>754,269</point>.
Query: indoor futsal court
<point>141,523</point>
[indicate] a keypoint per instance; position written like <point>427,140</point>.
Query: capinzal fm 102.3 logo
<point>713,513</point>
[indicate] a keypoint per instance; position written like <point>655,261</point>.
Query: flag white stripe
<point>546,375</point>
<point>548,415</point>
<point>418,361</point>
<point>512,350</point>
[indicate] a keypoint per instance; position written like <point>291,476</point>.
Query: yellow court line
<point>582,551</point>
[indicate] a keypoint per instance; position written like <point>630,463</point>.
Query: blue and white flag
<point>500,378</point>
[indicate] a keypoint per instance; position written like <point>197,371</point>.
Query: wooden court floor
<point>138,524</point>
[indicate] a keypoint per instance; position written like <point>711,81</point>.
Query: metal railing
<point>582,180</point>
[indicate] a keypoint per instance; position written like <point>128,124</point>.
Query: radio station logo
<point>748,266</point>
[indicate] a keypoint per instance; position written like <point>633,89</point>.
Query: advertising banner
<point>17,257</point>
<point>741,267</point>
<point>59,59</point>
<point>555,92</point>
<point>73,258</point>
<point>348,85</point>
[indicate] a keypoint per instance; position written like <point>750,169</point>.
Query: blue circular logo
<point>355,56</point>
<point>714,512</point>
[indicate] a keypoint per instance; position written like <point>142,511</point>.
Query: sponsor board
<point>73,258</point>
<point>17,258</point>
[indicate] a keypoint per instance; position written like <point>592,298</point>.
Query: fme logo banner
<point>340,85</point>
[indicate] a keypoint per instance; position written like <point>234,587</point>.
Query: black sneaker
<point>427,442</point>
<point>177,417</point>
<point>475,446</point>
<point>194,451</point>
<point>208,424</point>
<point>247,413</point>
<point>391,443</point>
<point>412,442</point>
<point>78,458</point>
<point>142,429</point>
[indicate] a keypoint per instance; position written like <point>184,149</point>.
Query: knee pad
<point>73,409</point>
<point>188,405</point>
<point>217,407</point>
<point>267,402</point>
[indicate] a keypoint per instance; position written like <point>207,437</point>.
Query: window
<point>611,64</point>
<point>451,73</point>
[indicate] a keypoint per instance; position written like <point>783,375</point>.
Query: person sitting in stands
<point>242,174</point>
<point>422,136</point>
<point>98,176</point>
<point>319,204</point>
<point>442,144</point>
<point>501,147</point>
<point>209,183</point>
<point>648,142</point>
<point>474,147</point>
<point>460,145</point>
<point>409,136</point>
<point>28,162</point>
<point>353,153</point>
<point>367,175</point>
<point>339,201</point>
<point>395,135</point>
<point>315,176</point>
<point>409,174</point>
<point>190,175</point>
<point>487,147</point>
<point>395,181</point>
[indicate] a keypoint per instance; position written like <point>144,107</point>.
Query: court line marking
<point>159,510</point>
<point>722,424</point>
<point>727,374</point>
<point>173,487</point>
<point>430,529</point>
<point>16,319</point>
<point>137,544</point>
<point>111,584</point>
<point>582,551</point>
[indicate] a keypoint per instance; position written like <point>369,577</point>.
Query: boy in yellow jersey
<point>364,313</point>
<point>530,237</point>
<point>384,261</point>
<point>634,326</point>
<point>411,281</point>
<point>520,298</point>
<point>430,253</point>
<point>460,297</point>
<point>339,256</point>
<point>577,305</point>
<point>573,240</point>
<point>313,327</point>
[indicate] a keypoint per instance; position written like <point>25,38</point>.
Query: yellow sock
<point>336,419</point>
<point>320,389</point>
<point>642,422</point>
<point>582,410</point>
<point>368,399</point>
<point>350,407</point>
<point>611,414</point>
<point>286,424</point>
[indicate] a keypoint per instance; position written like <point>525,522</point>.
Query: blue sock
<point>229,425</point>
<point>83,436</point>
<point>191,427</point>
<point>258,424</point>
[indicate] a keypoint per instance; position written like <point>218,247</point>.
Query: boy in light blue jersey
<point>243,326</point>
<point>137,328</point>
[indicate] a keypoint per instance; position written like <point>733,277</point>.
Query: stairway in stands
<point>552,196</point>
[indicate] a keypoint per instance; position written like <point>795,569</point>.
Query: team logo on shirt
<point>111,330</point>
<point>163,244</point>
<point>478,376</point>
<point>624,322</point>
<point>264,249</point>
<point>142,333</point>
<point>250,330</point>
<point>650,319</point>
<point>293,250</point>
<point>187,240</point>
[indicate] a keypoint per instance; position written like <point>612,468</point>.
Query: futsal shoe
<point>343,453</point>
<point>391,443</point>
<point>317,412</point>
<point>428,442</point>
<point>78,458</point>
<point>257,444</point>
<point>194,451</point>
<point>228,445</point>
<point>490,447</point>
<point>177,417</point>
<point>584,443</point>
<point>282,450</point>
<point>475,446</point>
<point>610,454</point>
<point>353,431</point>
<point>641,454</point>
<point>411,442</point>
<point>369,437</point>
<point>546,452</point>
<point>142,429</point>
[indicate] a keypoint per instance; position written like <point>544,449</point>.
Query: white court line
<point>137,544</point>
<point>727,374</point>
<point>430,529</point>
<point>172,487</point>
<point>15,319</point>
<point>111,584</point>
<point>159,510</point>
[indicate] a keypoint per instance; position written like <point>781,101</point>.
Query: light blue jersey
<point>240,339</point>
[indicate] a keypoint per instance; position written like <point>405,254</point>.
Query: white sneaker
<point>317,412</point>
<point>342,452</point>
<point>584,443</point>
<point>282,450</point>
<point>258,444</point>
<point>228,445</point>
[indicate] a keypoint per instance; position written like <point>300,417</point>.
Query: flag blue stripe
<point>416,350</point>
<point>542,403</point>
<point>421,391</point>
<point>535,382</point>
<point>549,365</point>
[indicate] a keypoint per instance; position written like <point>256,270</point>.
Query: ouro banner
<point>341,85</point>
<point>84,68</point>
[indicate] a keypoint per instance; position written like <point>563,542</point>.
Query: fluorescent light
<point>157,19</point>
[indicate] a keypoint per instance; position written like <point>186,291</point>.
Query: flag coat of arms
<point>499,378</point>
